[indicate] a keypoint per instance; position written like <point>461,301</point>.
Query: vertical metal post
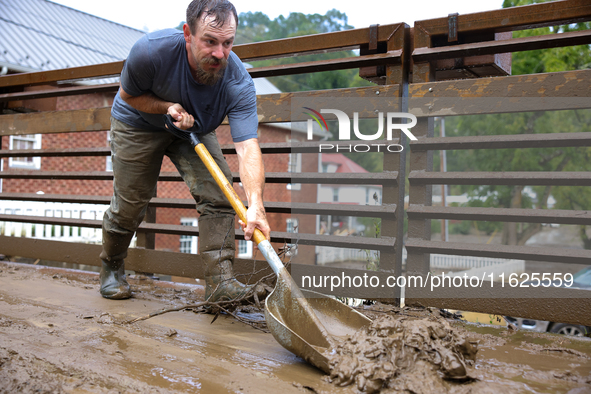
<point>419,263</point>
<point>148,240</point>
<point>396,74</point>
<point>443,167</point>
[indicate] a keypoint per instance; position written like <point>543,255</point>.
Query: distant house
<point>345,194</point>
<point>345,225</point>
<point>38,35</point>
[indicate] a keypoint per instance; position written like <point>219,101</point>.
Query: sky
<point>151,15</point>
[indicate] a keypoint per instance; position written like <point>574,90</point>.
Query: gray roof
<point>38,35</point>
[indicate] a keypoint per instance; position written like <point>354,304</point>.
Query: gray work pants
<point>137,157</point>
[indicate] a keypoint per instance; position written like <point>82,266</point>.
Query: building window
<point>244,249</point>
<point>335,194</point>
<point>292,227</point>
<point>18,142</point>
<point>294,165</point>
<point>329,167</point>
<point>188,242</point>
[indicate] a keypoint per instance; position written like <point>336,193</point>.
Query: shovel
<point>308,327</point>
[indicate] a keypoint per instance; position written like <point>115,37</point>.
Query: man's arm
<point>252,175</point>
<point>152,104</point>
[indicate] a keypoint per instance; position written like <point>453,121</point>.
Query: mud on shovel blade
<point>308,327</point>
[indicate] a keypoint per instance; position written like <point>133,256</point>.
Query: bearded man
<point>188,75</point>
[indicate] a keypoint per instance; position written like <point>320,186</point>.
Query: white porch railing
<point>48,231</point>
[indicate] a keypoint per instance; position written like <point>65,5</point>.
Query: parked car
<point>576,330</point>
<point>581,280</point>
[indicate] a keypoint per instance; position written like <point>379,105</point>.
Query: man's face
<point>208,49</point>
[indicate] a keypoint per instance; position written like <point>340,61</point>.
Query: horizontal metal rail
<point>139,259</point>
<point>272,108</point>
<point>266,148</point>
<point>501,178</point>
<point>60,92</point>
<point>314,43</point>
<point>50,122</point>
<point>391,57</point>
<point>315,147</point>
<point>378,211</point>
<point>383,178</point>
<point>64,74</point>
<point>515,18</point>
<point>160,228</point>
<point>554,140</point>
<point>557,216</point>
<point>144,260</point>
<point>66,152</point>
<point>502,46</point>
<point>564,310</point>
<point>559,255</point>
<point>572,85</point>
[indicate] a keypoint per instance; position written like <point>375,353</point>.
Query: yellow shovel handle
<point>227,188</point>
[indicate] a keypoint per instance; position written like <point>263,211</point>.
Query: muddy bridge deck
<point>58,335</point>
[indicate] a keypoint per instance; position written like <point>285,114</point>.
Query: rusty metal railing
<point>435,42</point>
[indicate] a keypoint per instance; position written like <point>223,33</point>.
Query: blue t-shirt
<point>158,63</point>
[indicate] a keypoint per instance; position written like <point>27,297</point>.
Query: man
<point>193,73</point>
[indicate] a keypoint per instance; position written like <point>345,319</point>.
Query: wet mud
<point>57,335</point>
<point>420,351</point>
<point>400,354</point>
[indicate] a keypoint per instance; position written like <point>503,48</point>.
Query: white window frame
<point>294,165</point>
<point>191,240</point>
<point>244,249</point>
<point>16,162</point>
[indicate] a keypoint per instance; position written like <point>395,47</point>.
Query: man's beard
<point>210,77</point>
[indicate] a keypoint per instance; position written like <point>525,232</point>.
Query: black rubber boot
<point>112,276</point>
<point>216,247</point>
<point>220,283</point>
<point>113,283</point>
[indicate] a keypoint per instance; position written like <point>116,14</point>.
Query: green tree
<point>538,159</point>
<point>256,27</point>
<point>576,57</point>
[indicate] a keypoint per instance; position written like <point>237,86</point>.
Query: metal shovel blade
<point>309,327</point>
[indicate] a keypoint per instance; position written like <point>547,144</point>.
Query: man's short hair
<point>219,9</point>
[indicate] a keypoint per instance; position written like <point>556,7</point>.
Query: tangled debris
<point>387,353</point>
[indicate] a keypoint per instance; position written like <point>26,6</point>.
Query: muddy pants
<point>137,157</point>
